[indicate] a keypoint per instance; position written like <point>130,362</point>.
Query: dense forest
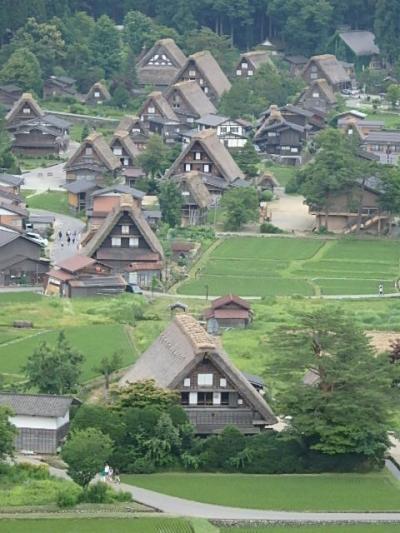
<point>302,26</point>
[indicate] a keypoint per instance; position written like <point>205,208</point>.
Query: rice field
<point>251,266</point>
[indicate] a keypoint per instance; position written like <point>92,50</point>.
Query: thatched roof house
<point>188,101</point>
<point>159,65</point>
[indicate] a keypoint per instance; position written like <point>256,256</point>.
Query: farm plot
<point>285,267</point>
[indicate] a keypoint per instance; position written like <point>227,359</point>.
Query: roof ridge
<point>196,334</point>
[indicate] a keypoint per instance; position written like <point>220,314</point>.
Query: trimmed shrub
<point>267,227</point>
<point>68,497</point>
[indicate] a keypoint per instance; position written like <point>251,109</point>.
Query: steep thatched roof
<point>257,58</point>
<point>168,59</point>
<point>205,62</point>
<point>127,206</point>
<point>195,185</point>
<point>217,152</point>
<point>160,103</point>
<point>192,94</point>
<point>25,100</point>
<point>99,146</point>
<point>122,137</point>
<point>324,87</point>
<point>331,67</point>
<point>361,42</point>
<point>101,88</point>
<point>129,122</point>
<point>178,350</point>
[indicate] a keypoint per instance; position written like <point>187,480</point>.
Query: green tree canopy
<point>7,434</point>
<point>248,159</point>
<point>170,200</point>
<point>142,394</point>
<point>348,410</point>
<point>154,159</point>
<point>105,46</point>
<point>54,369</point>
<point>240,207</point>
<point>23,69</point>
<point>86,452</point>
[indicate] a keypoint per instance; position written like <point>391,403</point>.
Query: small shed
<point>42,420</point>
<point>229,311</point>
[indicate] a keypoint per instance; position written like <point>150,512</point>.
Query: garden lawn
<point>94,342</point>
<point>282,266</point>
<point>323,492</point>
<point>55,201</point>
<point>96,525</point>
<point>350,528</point>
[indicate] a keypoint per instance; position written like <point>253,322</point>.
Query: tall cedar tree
<point>348,410</point>
<point>170,199</point>
<point>240,207</point>
<point>54,369</point>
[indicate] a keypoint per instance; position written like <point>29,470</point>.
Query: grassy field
<point>306,267</point>
<point>351,528</point>
<point>391,119</point>
<point>96,525</point>
<point>324,492</point>
<point>56,201</point>
<point>283,173</point>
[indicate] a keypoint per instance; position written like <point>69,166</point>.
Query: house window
<point>250,72</point>
<point>88,150</point>
<point>125,161</point>
<point>26,110</point>
<point>188,167</point>
<point>244,65</point>
<point>240,401</point>
<point>184,398</point>
<point>238,72</point>
<point>223,129</point>
<point>314,75</point>
<point>206,168</point>
<point>192,398</point>
<point>216,398</point>
<point>186,382</point>
<point>201,81</point>
<point>125,229</point>
<point>315,95</point>
<point>206,90</point>
<point>224,398</point>
<point>350,131</point>
<point>222,382</point>
<point>116,241</point>
<point>197,156</point>
<point>204,398</point>
<point>205,380</point>
<point>192,73</point>
<point>133,242</point>
<point>294,150</point>
<point>285,148</point>
<point>272,134</point>
<point>96,94</point>
<point>117,150</point>
<point>151,110</point>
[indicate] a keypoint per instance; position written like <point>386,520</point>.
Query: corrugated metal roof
<point>45,405</point>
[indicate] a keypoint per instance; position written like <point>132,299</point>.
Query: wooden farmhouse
<point>281,139</point>
<point>126,243</point>
<point>156,106</point>
<point>20,258</point>
<point>136,131</point>
<point>92,160</point>
<point>318,95</point>
<point>207,155</point>
<point>97,94</point>
<point>25,108</point>
<point>59,86</point>
<point>159,66</point>
<point>204,69</point>
<point>41,420</point>
<point>360,127</point>
<point>341,212</point>
<point>9,94</point>
<point>233,133</point>
<point>357,47</point>
<point>11,183</point>
<point>12,214</point>
<point>40,136</point>
<point>123,147</point>
<point>229,311</point>
<point>213,392</point>
<point>196,200</point>
<point>250,62</point>
<point>327,67</point>
<point>385,145</point>
<point>169,130</point>
<point>80,276</point>
<point>188,101</point>
<point>103,201</point>
<point>296,64</point>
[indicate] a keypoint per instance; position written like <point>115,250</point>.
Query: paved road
<point>59,248</point>
<point>180,507</point>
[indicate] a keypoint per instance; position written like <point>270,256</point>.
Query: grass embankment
<point>55,201</point>
<point>323,492</point>
<point>97,525</point>
<point>306,267</point>
<point>27,163</point>
<point>350,528</point>
<point>283,173</point>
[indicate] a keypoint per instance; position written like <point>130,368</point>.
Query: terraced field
<point>287,266</point>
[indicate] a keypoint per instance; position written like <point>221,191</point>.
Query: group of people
<point>109,474</point>
<point>70,237</point>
